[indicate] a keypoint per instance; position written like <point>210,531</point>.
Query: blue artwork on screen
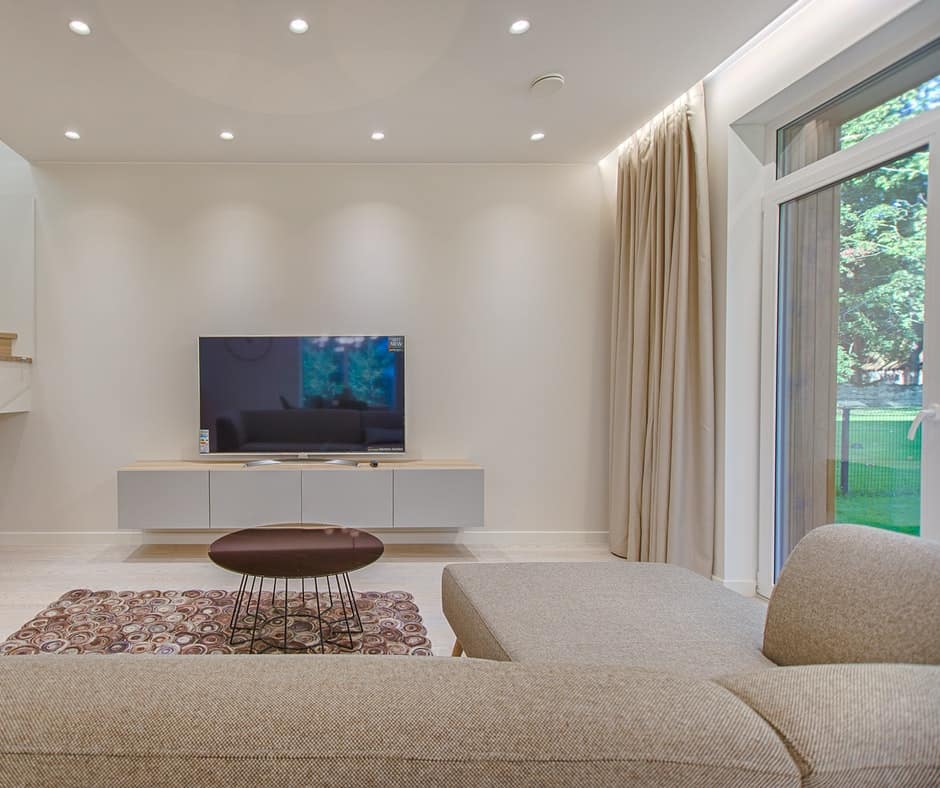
<point>316,394</point>
<point>359,372</point>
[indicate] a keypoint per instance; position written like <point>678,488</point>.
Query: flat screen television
<point>302,395</point>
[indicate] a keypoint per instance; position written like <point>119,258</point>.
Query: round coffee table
<point>293,552</point>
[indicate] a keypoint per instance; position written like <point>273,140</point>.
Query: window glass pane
<point>850,353</point>
<point>905,90</point>
<point>915,101</point>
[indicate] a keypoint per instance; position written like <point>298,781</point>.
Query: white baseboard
<point>743,587</point>
<point>475,538</point>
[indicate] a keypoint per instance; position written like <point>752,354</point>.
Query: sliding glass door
<point>850,352</point>
<point>852,316</point>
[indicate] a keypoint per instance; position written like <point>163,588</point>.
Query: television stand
<point>199,494</point>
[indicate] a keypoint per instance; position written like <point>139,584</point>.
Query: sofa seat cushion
<point>372,721</point>
<point>652,616</point>
<point>852,726</point>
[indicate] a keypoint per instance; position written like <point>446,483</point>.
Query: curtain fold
<point>662,448</point>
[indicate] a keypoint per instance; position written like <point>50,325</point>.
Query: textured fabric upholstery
<point>373,721</point>
<point>849,593</point>
<point>652,616</point>
<point>853,726</point>
<point>467,621</point>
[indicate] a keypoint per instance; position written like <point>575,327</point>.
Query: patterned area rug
<point>198,622</point>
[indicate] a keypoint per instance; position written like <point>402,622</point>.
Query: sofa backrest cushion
<point>852,726</point>
<point>373,721</point>
<point>850,593</point>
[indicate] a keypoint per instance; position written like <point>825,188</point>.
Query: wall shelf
<point>14,377</point>
<point>7,338</point>
<point>17,298</point>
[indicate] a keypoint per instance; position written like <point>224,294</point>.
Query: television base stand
<point>254,463</point>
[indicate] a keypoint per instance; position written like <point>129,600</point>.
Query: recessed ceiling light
<point>537,136</point>
<point>79,27</point>
<point>378,135</point>
<point>519,27</point>
<point>299,26</point>
<point>226,135</point>
<point>73,135</point>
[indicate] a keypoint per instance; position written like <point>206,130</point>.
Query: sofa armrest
<point>850,593</point>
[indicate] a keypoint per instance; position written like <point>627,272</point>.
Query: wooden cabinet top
<point>299,465</point>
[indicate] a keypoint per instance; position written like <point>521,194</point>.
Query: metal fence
<point>874,456</point>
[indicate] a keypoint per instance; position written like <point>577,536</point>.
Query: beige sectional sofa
<point>659,683</point>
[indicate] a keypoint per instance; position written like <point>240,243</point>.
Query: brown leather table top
<point>286,551</point>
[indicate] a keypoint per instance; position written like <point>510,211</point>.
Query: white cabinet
<point>354,497</point>
<point>163,499</point>
<point>253,496</point>
<point>439,498</point>
<point>196,495</point>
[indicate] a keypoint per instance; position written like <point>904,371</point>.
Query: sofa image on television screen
<point>310,430</point>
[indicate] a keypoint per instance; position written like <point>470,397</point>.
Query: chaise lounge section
<point>651,616</point>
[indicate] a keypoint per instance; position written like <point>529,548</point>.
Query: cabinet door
<point>254,496</point>
<point>439,498</point>
<point>354,497</point>
<point>163,499</point>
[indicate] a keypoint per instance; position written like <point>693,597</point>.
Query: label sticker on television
<point>396,344</point>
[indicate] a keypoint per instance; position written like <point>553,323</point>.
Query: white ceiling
<point>159,79</point>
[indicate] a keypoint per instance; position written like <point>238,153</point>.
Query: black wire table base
<point>254,627</point>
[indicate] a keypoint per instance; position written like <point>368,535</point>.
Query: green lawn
<point>880,511</point>
<point>884,470</point>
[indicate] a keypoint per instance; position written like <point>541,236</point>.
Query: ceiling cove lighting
<point>299,26</point>
<point>79,27</point>
<point>519,27</point>
<point>378,136</point>
<point>226,135</point>
<point>73,135</point>
<point>537,136</point>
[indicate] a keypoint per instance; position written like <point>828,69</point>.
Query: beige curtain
<point>662,450</point>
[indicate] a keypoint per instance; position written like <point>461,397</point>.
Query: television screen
<point>328,394</point>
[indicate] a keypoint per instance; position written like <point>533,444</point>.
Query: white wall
<point>763,80</point>
<point>498,275</point>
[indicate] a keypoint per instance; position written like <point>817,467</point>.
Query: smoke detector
<point>547,85</point>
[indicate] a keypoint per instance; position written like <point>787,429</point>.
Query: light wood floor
<point>32,577</point>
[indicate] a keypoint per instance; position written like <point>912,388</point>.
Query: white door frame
<point>907,137</point>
